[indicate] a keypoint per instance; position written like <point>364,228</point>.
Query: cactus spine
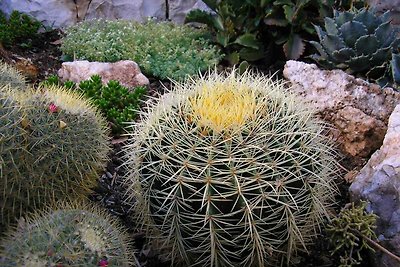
<point>69,235</point>
<point>11,76</point>
<point>229,170</point>
<point>52,150</point>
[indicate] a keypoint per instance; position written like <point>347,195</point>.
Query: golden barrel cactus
<point>230,170</point>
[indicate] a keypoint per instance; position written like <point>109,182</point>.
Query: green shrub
<point>117,103</point>
<point>246,29</point>
<point>18,29</point>
<point>347,233</point>
<point>69,235</point>
<point>228,170</point>
<point>53,145</point>
<point>163,50</point>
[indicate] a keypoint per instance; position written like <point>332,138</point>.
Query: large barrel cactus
<point>53,145</point>
<point>69,235</point>
<point>359,42</point>
<point>230,170</point>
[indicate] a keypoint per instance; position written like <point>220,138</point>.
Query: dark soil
<point>45,56</point>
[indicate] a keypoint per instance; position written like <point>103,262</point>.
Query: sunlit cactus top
<point>224,105</point>
<point>230,170</point>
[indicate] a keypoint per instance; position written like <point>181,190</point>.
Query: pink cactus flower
<point>53,108</point>
<point>103,263</point>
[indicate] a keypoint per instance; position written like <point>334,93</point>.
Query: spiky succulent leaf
<point>75,234</point>
<point>358,63</point>
<point>229,170</point>
<point>351,31</point>
<point>343,17</point>
<point>343,55</point>
<point>332,43</point>
<point>330,27</point>
<point>368,19</point>
<point>320,49</point>
<point>385,34</point>
<point>366,45</point>
<point>395,66</point>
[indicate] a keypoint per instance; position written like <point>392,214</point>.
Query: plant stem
<point>376,245</point>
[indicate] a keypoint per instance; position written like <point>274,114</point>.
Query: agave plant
<point>358,42</point>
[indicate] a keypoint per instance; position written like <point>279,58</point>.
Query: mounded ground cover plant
<point>230,170</point>
<point>162,49</point>
<point>68,235</point>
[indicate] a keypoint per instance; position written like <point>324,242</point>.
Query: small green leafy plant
<point>117,103</point>
<point>18,29</point>
<point>290,22</point>
<point>347,232</point>
<point>245,29</point>
<point>163,50</point>
<point>236,26</point>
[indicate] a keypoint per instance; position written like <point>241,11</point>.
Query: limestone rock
<point>179,8</point>
<point>126,72</point>
<point>357,109</point>
<point>379,183</point>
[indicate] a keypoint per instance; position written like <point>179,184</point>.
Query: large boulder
<point>179,8</point>
<point>358,110</point>
<point>52,13</point>
<point>379,183</point>
<point>137,10</point>
<point>127,72</point>
<point>63,13</point>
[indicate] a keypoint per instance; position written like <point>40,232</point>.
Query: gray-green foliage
<point>11,76</point>
<point>53,145</point>
<point>359,42</point>
<point>228,170</point>
<point>162,49</point>
<point>347,233</point>
<point>69,235</point>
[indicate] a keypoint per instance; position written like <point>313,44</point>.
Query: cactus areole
<point>229,170</point>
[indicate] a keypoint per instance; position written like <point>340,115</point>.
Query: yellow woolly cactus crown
<point>223,105</point>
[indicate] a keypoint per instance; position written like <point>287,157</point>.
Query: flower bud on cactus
<point>229,170</point>
<point>52,149</point>
<point>11,76</point>
<point>70,235</point>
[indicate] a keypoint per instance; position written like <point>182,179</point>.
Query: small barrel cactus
<point>229,170</point>
<point>359,42</point>
<point>53,148</point>
<point>69,235</point>
<point>11,76</point>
